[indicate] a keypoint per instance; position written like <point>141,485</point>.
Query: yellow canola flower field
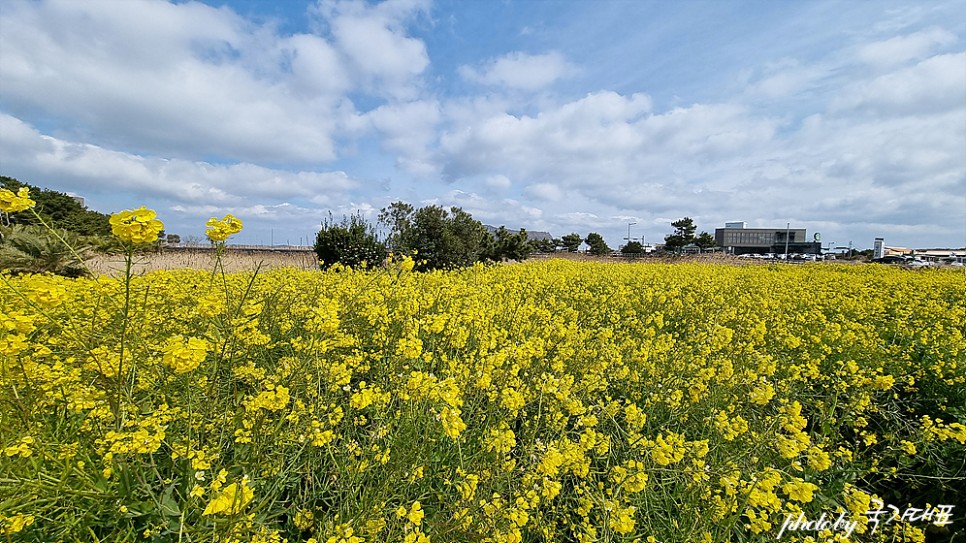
<point>539,402</point>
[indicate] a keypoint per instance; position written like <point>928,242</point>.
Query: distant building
<point>897,251</point>
<point>878,248</point>
<point>941,255</point>
<point>531,235</point>
<point>738,240</point>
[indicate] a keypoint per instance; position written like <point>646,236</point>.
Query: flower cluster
<point>184,354</point>
<point>136,226</point>
<point>221,229</point>
<point>231,500</point>
<point>12,203</point>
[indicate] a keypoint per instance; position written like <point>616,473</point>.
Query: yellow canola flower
<point>15,524</point>
<point>799,490</point>
<point>343,534</point>
<point>568,467</point>
<point>273,399</point>
<point>22,448</point>
<point>622,520</point>
<point>668,450</point>
<point>818,459</point>
<point>453,425</point>
<point>221,229</point>
<point>304,519</point>
<point>231,500</point>
<point>136,226</point>
<point>12,203</point>
<point>501,439</point>
<point>416,537</point>
<point>183,355</point>
<point>414,514</point>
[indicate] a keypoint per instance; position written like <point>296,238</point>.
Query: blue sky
<point>844,118</point>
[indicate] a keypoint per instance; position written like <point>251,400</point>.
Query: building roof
<point>531,235</point>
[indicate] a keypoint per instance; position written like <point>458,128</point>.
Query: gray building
<point>531,235</point>
<point>738,240</point>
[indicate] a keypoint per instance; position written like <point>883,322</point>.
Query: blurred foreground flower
<point>12,203</point>
<point>136,226</point>
<point>219,230</point>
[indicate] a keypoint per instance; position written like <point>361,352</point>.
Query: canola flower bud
<point>136,226</point>
<point>12,203</point>
<point>221,229</point>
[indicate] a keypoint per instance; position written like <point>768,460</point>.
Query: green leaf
<point>169,507</point>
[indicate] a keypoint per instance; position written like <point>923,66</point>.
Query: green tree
<point>597,244</point>
<point>544,245</point>
<point>571,242</point>
<point>349,242</point>
<point>437,238</point>
<point>59,209</point>
<point>705,241</point>
<point>507,245</point>
<point>683,234</point>
<point>685,228</point>
<point>398,218</point>
<point>633,248</point>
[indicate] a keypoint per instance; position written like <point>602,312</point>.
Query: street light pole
<point>629,225</point>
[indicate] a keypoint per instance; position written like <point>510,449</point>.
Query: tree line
<point>434,236</point>
<point>440,238</point>
<point>58,209</point>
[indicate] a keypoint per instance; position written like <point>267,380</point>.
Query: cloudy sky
<point>845,118</point>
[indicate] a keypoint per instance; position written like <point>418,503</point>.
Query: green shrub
<point>351,242</point>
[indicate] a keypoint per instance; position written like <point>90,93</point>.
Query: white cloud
<point>373,39</point>
<point>545,191</point>
<point>900,49</point>
<point>83,167</point>
<point>521,71</point>
<point>935,84</point>
<point>408,129</point>
<point>498,182</point>
<point>878,149</point>
<point>602,140</point>
<point>583,222</point>
<point>852,126</point>
<point>786,78</point>
<point>184,80</point>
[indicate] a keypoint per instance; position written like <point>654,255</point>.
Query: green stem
<point>128,257</point>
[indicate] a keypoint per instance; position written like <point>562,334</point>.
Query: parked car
<point>890,260</point>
